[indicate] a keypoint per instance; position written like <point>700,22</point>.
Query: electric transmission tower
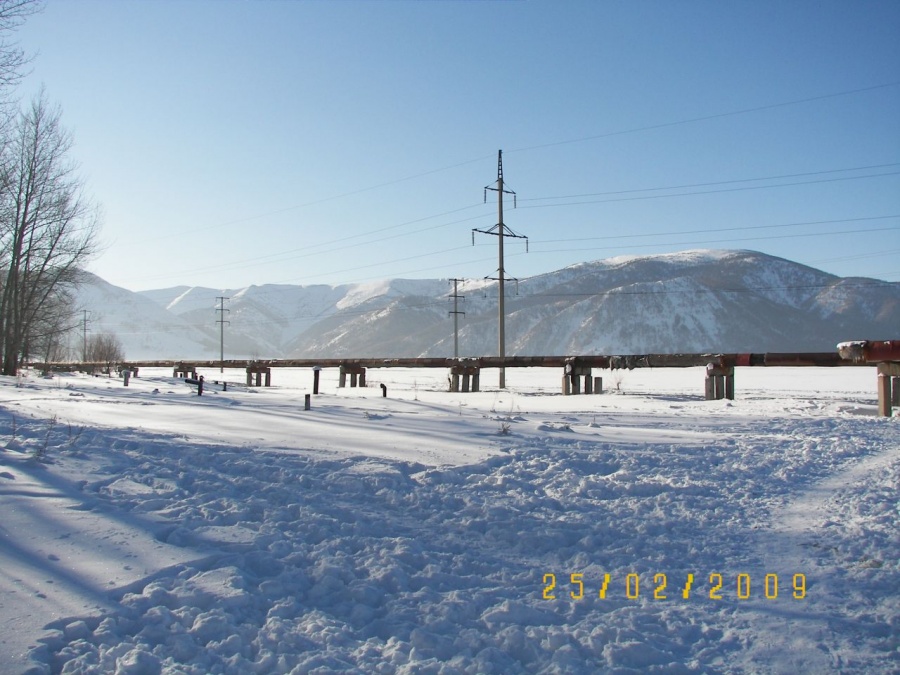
<point>84,347</point>
<point>221,321</point>
<point>501,231</point>
<point>456,298</point>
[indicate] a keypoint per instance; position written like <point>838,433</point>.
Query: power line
<point>705,118</point>
<point>721,182</point>
<point>858,257</point>
<point>342,195</point>
<point>726,241</point>
<point>719,229</point>
<point>709,192</point>
<point>320,201</point>
<point>285,256</point>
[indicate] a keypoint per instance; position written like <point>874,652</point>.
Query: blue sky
<point>247,142</point>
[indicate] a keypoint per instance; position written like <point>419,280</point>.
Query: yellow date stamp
<point>660,586</point>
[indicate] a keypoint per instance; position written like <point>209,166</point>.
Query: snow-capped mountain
<point>146,329</point>
<point>693,301</point>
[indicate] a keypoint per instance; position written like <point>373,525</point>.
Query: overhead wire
<point>295,254</point>
<point>705,118</point>
<point>371,237</point>
<point>713,183</point>
<point>536,245</point>
<point>338,196</point>
<point>709,192</point>
<point>717,229</point>
<point>275,212</point>
<point>726,241</point>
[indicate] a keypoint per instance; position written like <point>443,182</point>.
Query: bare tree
<point>13,58</point>
<point>49,338</point>
<point>104,348</point>
<point>47,228</point>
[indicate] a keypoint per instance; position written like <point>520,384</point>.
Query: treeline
<point>48,226</point>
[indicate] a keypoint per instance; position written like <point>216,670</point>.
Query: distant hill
<point>693,301</point>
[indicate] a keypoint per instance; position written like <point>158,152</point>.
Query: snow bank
<point>620,533</point>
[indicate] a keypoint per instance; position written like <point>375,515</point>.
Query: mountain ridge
<point>691,301</point>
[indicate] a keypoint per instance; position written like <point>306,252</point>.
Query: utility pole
<point>221,321</point>
<point>84,352</point>
<point>501,231</point>
<point>456,297</point>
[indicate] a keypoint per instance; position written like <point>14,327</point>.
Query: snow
<point>149,530</point>
<point>357,294</point>
<point>691,256</point>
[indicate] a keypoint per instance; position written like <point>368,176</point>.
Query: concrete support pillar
<point>469,375</point>
<point>255,376</point>
<point>885,400</point>
<point>357,376</point>
<point>184,371</point>
<point>316,372</point>
<point>573,374</point>
<point>598,385</point>
<point>888,388</point>
<point>719,382</point>
<point>710,387</point>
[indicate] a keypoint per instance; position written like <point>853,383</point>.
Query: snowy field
<point>147,530</point>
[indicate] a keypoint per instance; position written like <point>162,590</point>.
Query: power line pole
<point>501,231</point>
<point>456,297</point>
<point>84,334</point>
<point>221,321</point>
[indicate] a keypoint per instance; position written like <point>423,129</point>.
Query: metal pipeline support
<point>886,354</point>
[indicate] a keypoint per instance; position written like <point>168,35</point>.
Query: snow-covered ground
<point>148,530</point>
